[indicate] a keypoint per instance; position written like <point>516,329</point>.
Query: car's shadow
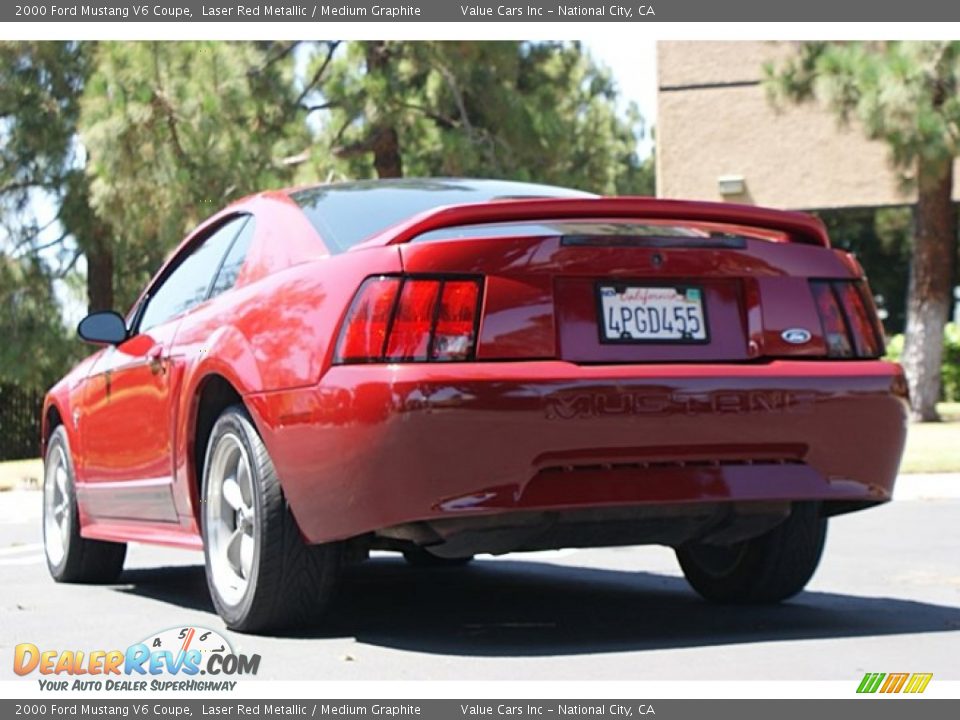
<point>529,608</point>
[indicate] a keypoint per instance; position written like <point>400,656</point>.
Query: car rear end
<point>598,372</point>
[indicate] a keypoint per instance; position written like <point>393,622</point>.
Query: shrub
<point>950,371</point>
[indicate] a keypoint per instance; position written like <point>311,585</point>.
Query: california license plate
<point>631,313</point>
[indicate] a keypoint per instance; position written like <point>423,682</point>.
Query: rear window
<point>348,213</point>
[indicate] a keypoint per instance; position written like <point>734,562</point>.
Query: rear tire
<point>418,557</point>
<point>70,557</point>
<point>261,574</point>
<point>763,570</point>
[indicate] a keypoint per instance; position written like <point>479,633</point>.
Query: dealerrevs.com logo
<point>894,682</point>
<point>173,659</point>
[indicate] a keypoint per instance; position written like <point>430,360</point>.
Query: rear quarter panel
<point>276,333</point>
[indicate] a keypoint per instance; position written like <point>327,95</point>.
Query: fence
<point>19,422</point>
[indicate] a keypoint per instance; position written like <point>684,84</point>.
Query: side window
<point>234,260</point>
<point>189,282</point>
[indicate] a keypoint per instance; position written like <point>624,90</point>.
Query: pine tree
<point>905,94</point>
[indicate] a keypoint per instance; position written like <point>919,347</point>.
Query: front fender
<point>66,398</point>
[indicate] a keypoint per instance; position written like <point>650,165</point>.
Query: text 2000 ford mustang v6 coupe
<point>451,367</point>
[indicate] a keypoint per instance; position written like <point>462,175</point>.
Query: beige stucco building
<point>720,138</point>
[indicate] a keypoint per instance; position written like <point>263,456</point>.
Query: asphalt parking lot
<point>886,597</point>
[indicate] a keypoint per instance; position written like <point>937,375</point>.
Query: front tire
<point>766,569</point>
<point>70,557</point>
<point>261,574</point>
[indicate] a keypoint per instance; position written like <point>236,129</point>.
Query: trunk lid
<point>551,285</point>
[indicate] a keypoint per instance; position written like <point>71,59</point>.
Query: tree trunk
<point>93,238</point>
<point>928,299</point>
<point>383,135</point>
<point>99,274</point>
<point>386,153</point>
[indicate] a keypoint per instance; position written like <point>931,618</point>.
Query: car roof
<point>497,188</point>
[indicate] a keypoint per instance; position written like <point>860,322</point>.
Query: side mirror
<point>105,327</point>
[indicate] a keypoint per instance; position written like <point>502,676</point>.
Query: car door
<point>127,424</point>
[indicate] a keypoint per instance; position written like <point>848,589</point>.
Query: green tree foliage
<point>542,112</point>
<point>134,143</point>
<point>906,95</point>
<point>40,86</point>
<point>35,349</point>
<point>175,131</point>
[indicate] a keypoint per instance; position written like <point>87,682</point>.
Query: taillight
<point>411,319</point>
<point>873,317</point>
<point>366,329</point>
<point>850,327</point>
<point>862,329</point>
<point>453,335</point>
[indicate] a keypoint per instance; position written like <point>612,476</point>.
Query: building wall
<point>714,119</point>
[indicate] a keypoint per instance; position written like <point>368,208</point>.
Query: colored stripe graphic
<point>870,682</point>
<point>894,682</point>
<point>918,682</point>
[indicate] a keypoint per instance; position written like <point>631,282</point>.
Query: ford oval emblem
<point>796,336</point>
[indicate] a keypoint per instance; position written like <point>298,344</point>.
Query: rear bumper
<point>376,446</point>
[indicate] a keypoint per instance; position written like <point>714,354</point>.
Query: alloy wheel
<point>56,501</point>
<point>230,514</point>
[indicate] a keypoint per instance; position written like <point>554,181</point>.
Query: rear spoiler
<point>799,227</point>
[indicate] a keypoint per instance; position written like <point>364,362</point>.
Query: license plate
<point>652,314</point>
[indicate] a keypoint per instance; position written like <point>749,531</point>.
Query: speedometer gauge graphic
<point>188,637</point>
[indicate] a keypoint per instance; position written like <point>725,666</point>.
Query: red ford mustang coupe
<point>451,367</point>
